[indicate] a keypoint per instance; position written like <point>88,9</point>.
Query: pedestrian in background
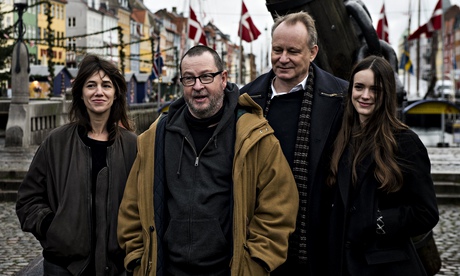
<point>303,104</point>
<point>70,196</point>
<point>380,181</point>
<point>210,192</point>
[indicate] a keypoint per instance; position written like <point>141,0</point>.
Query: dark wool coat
<point>353,241</point>
<point>326,118</point>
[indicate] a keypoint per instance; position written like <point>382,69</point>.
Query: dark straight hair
<point>78,113</point>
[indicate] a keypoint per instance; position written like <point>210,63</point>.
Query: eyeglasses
<point>204,79</point>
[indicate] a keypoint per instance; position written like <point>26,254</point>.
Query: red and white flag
<point>247,30</point>
<point>195,31</point>
<point>434,24</point>
<point>382,25</point>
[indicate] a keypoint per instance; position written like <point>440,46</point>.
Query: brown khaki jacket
<point>265,200</point>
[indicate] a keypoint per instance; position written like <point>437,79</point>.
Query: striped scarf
<point>298,240</point>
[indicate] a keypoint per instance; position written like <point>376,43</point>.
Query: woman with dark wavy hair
<point>380,182</point>
<point>70,196</point>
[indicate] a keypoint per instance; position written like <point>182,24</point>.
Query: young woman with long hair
<point>379,181</point>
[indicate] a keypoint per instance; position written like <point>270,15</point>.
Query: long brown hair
<point>377,136</point>
<point>118,112</point>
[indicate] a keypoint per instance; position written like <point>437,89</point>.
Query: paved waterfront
<point>18,249</point>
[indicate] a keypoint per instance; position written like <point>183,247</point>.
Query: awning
<point>432,107</point>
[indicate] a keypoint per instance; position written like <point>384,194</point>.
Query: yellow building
<point>145,51</point>
<point>58,28</point>
<point>124,22</point>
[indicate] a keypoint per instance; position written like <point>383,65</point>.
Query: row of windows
<point>137,29</point>
<point>57,35</point>
<point>71,22</point>
<point>41,32</point>
<point>123,3</point>
<point>58,55</point>
<point>56,11</point>
<point>32,32</point>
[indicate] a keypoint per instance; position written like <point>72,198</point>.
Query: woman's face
<point>98,94</point>
<point>363,94</point>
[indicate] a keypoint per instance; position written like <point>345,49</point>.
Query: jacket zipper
<point>197,158</point>
<point>108,158</point>
<point>90,212</point>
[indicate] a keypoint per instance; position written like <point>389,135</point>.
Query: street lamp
<point>21,7</point>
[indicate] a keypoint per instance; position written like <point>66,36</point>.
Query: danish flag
<point>195,31</point>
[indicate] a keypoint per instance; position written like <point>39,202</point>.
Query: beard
<point>205,110</point>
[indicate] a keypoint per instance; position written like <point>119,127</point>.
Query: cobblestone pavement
<point>18,249</point>
<point>447,236</point>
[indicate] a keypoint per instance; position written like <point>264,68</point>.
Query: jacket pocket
<point>251,267</point>
<point>332,95</point>
<point>67,237</point>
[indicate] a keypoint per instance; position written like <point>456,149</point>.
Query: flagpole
<point>454,65</point>
<point>442,47</point>
<point>417,79</point>
<point>188,26</point>
<point>452,69</point>
<point>383,21</point>
<point>159,90</point>
<point>251,62</point>
<point>442,73</point>
<point>159,74</point>
<point>261,59</point>
<point>268,49</point>
<point>250,34</point>
<point>407,47</point>
<point>240,71</point>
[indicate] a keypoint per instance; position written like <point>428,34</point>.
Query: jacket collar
<point>175,120</point>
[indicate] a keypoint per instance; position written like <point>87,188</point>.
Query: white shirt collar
<point>300,86</point>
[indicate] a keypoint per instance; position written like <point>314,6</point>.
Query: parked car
<point>444,89</point>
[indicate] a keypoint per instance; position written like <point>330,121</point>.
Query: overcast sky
<point>226,15</point>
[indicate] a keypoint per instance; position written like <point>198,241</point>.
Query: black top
<point>99,161</point>
<point>283,116</point>
<point>199,128</point>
